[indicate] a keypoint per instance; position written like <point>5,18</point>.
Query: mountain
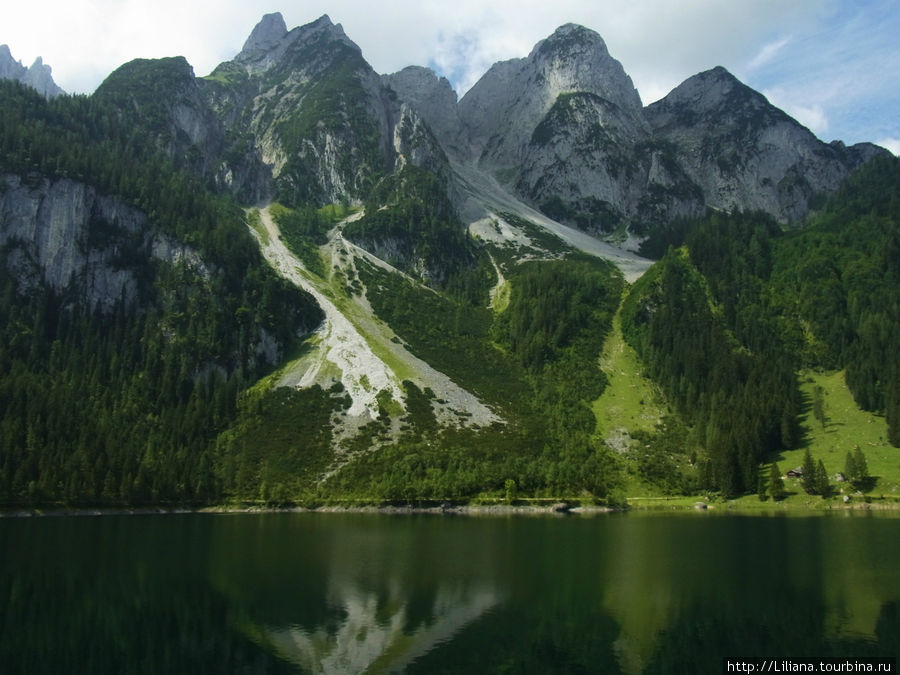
<point>296,279</point>
<point>503,109</point>
<point>38,76</point>
<point>565,131</point>
<point>746,154</point>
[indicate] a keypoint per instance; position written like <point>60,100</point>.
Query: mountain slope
<point>352,346</point>
<point>418,305</point>
<point>565,131</point>
<point>746,154</point>
<point>38,76</point>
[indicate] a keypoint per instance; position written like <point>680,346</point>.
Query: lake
<point>350,593</point>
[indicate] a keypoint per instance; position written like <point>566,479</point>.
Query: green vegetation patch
<point>832,426</point>
<point>280,444</point>
<point>303,229</point>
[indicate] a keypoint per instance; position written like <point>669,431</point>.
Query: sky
<point>834,65</point>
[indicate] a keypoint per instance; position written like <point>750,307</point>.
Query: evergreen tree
<point>856,468</point>
<point>862,466</point>
<point>849,467</point>
<point>809,473</point>
<point>820,483</point>
<point>819,406</point>
<point>776,483</point>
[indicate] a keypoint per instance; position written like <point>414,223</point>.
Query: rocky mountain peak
<point>712,91</point>
<point>576,58</point>
<point>270,41</point>
<point>514,96</point>
<point>265,36</point>
<point>10,69</point>
<point>433,99</point>
<point>745,153</point>
<point>39,76</point>
<point>570,39</point>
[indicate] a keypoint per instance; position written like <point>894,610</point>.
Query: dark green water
<point>433,594</point>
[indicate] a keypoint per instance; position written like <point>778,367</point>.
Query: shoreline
<point>558,509</point>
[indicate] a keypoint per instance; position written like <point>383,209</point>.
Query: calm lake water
<point>352,593</point>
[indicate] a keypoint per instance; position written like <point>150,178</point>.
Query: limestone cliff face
<point>565,129</point>
<point>64,234</point>
<point>745,153</point>
<point>590,164</point>
<point>300,116</point>
<point>312,109</point>
<point>504,107</point>
<point>39,76</point>
<point>433,99</point>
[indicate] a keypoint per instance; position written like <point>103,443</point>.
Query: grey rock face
<point>743,152</point>
<point>592,164</point>
<point>271,45</point>
<point>10,69</point>
<point>264,37</point>
<point>64,234</point>
<point>565,129</point>
<point>39,76</point>
<point>434,100</point>
<point>415,144</point>
<point>504,107</point>
<point>301,116</point>
<point>322,122</point>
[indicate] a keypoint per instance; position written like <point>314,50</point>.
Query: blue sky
<point>833,65</point>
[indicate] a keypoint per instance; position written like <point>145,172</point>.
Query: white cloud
<point>812,116</point>
<point>768,53</point>
<point>892,144</point>
<point>823,52</point>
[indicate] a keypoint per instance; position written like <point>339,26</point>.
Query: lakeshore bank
<point>742,506</point>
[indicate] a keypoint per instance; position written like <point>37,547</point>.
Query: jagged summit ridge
<point>433,99</point>
<point>504,107</point>
<point>579,57</point>
<point>265,36</point>
<point>270,43</point>
<point>39,76</point>
<point>743,152</point>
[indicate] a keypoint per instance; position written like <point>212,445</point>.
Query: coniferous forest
<point>738,304</point>
<point>123,404</point>
<point>154,398</point>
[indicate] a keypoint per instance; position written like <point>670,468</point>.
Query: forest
<point>161,399</point>
<point>737,304</point>
<point>123,406</point>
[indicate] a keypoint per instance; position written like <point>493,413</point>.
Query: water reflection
<point>367,641</point>
<point>388,590</point>
<point>327,593</point>
<point>627,594</point>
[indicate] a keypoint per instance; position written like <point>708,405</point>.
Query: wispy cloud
<point>810,115</point>
<point>768,53</point>
<point>836,64</point>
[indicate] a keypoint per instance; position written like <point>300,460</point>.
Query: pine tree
<point>819,406</point>
<point>862,467</point>
<point>821,484</point>
<point>776,483</point>
<point>809,473</point>
<point>850,468</point>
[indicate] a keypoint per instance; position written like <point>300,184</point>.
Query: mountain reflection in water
<point>340,593</point>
